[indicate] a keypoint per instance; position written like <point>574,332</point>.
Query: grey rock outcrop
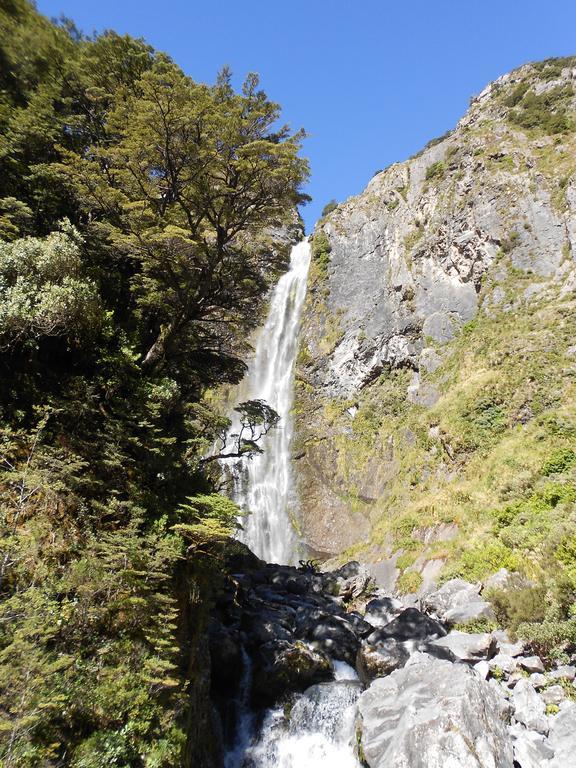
<point>562,737</point>
<point>380,660</point>
<point>463,646</point>
<point>411,624</point>
<point>530,748</point>
<point>529,708</point>
<point>411,260</point>
<point>458,602</point>
<point>432,714</point>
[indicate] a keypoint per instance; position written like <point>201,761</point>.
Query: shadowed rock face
<point>412,259</point>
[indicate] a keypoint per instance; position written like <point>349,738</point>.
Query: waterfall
<point>318,729</point>
<point>263,485</point>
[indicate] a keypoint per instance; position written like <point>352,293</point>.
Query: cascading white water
<point>318,734</point>
<point>319,731</point>
<point>263,485</point>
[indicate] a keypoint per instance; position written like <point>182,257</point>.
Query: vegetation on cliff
<point>137,214</point>
<point>455,456</point>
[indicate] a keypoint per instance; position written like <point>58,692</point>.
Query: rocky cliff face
<point>437,335</point>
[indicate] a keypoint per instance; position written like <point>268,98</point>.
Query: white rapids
<point>263,485</point>
<point>319,732</point>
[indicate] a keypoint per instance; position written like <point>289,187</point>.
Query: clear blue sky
<point>371,81</point>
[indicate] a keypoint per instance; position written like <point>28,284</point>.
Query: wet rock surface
<point>433,696</point>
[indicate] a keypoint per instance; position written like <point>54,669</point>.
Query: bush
<point>560,461</point>
<point>435,171</point>
<point>484,559</point>
<point>550,639</point>
<point>542,615</point>
<point>321,249</point>
<point>477,625</point>
<point>518,605</point>
<point>546,111</point>
<point>329,207</point>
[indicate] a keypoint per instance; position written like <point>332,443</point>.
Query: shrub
<point>321,251</point>
<point>546,111</point>
<point>405,560</point>
<point>550,639</point>
<point>484,559</point>
<point>435,171</point>
<point>329,207</point>
<point>518,605</point>
<point>509,242</point>
<point>477,625</point>
<point>517,94</point>
<point>559,461</point>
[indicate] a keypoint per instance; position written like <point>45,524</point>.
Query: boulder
<point>468,647</point>
<point>482,668</point>
<point>433,714</point>
<point>463,614</point>
<point>514,677</point>
<point>531,663</point>
<point>499,580</point>
<point>348,570</point>
<point>381,610</point>
<point>411,624</point>
<point>506,646</point>
<point>455,593</point>
<point>538,680</point>
<point>531,749</point>
<point>562,737</point>
<point>357,624</point>
<point>334,636</point>
<point>563,673</point>
<point>529,707</point>
<point>380,660</point>
<point>553,695</point>
<point>264,626</point>
<point>281,667</point>
<point>504,663</point>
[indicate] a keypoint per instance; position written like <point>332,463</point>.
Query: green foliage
<point>516,94</point>
<point>321,249</point>
<point>483,560</point>
<point>408,582</point>
<point>546,111</point>
<point>477,625</point>
<point>328,208</point>
<point>135,259</point>
<point>542,614</point>
<point>210,516</point>
<point>560,461</point>
<point>518,605</point>
<point>44,293</point>
<point>435,171</point>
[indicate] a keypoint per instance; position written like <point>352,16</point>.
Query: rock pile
<point>434,696</point>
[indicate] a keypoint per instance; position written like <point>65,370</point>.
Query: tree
<point>187,178</point>
<point>137,218</point>
<point>255,419</point>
